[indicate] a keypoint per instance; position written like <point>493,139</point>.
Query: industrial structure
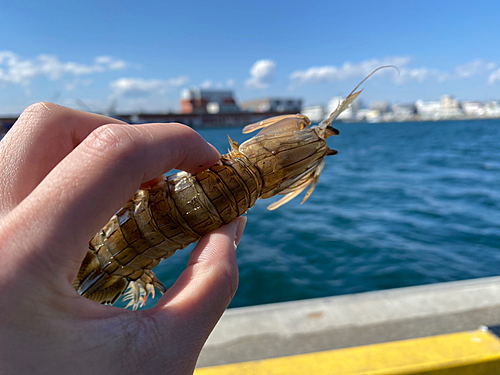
<point>206,108</point>
<point>284,105</point>
<point>199,101</point>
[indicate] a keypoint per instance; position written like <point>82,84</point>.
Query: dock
<point>317,329</point>
<point>194,120</point>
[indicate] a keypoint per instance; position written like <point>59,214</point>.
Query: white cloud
<point>420,75</point>
<point>494,76</point>
<point>475,67</point>
<point>15,70</point>
<point>209,84</point>
<point>103,59</point>
<point>471,69</point>
<point>262,74</point>
<point>7,57</point>
<point>111,63</point>
<point>138,87</point>
<point>179,81</point>
<point>206,84</point>
<point>348,70</point>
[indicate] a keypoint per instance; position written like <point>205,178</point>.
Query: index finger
<point>42,136</point>
<point>87,187</point>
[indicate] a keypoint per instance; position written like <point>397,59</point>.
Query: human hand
<point>63,174</point>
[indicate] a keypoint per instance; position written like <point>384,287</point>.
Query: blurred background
<point>412,197</point>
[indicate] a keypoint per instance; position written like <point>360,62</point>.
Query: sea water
<point>401,204</point>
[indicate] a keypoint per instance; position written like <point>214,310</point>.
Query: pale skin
<point>63,174</point>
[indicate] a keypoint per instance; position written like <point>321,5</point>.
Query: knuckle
<point>41,107</point>
<point>40,110</point>
<point>112,139</point>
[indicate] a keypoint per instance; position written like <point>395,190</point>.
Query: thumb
<point>203,291</point>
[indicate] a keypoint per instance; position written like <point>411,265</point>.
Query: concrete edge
<point>297,327</point>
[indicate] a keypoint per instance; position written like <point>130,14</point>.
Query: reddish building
<point>199,101</point>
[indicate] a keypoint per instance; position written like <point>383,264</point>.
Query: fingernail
<point>241,222</point>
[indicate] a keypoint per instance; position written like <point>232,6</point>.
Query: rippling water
<point>401,204</point>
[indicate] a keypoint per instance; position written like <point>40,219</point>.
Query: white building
<point>473,109</point>
<point>287,105</point>
<point>447,107</point>
<point>492,109</point>
<point>450,107</point>
<point>403,112</point>
<point>316,113</point>
<point>428,110</point>
<point>476,109</point>
<point>380,105</point>
<point>348,114</point>
<point>368,115</point>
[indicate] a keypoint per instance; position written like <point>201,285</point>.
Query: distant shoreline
<point>419,119</point>
<point>239,119</point>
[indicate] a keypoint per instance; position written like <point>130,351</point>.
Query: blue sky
<point>140,55</point>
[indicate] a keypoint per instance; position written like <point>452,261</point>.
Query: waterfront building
<point>428,110</point>
<point>403,112</point>
<point>199,101</point>
<point>448,107</point>
<point>350,113</point>
<point>473,109</point>
<point>316,113</point>
<point>286,105</point>
<point>368,115</point>
<point>492,109</point>
<point>380,105</point>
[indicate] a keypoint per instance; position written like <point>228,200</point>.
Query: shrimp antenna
<point>350,98</point>
<point>372,73</point>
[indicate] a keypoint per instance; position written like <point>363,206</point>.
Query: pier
<point>194,120</point>
<point>386,324</point>
<point>202,120</point>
